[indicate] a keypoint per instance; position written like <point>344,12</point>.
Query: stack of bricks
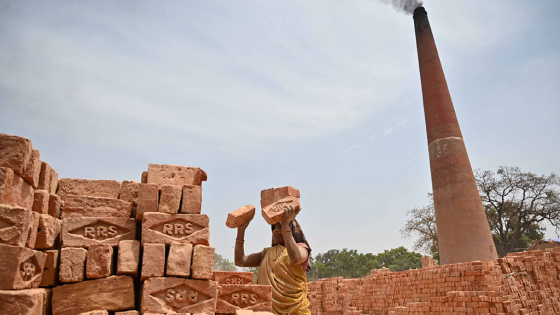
<point>520,283</point>
<point>99,247</point>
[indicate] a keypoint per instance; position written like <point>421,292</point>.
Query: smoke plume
<point>406,6</point>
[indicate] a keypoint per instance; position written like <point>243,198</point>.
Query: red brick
<point>33,169</point>
<point>83,232</point>
<point>54,206</point>
<point>203,262</point>
<point>144,179</point>
<point>54,181</point>
<point>48,232</point>
<point>129,191</point>
<point>233,277</point>
<point>72,264</point>
<point>233,297</point>
<point>99,261</point>
<point>132,312</point>
<point>175,175</point>
<point>24,302</point>
<point>271,195</point>
<point>275,200</point>
<point>88,187</point>
<point>50,271</point>
<point>86,206</point>
<point>148,197</point>
<point>20,267</point>
<point>18,193</point>
<point>14,225</point>
<point>33,228</point>
<point>45,177</point>
<point>153,261</point>
<point>179,295</point>
<point>128,258</point>
<point>96,312</point>
<point>115,293</point>
<point>192,199</point>
<point>179,260</point>
<point>240,216</point>
<point>6,177</point>
<point>41,201</point>
<point>170,198</point>
<point>183,228</point>
<point>14,152</point>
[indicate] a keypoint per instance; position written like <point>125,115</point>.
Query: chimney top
<point>420,11</point>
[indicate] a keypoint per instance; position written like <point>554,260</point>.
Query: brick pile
<point>78,246</point>
<point>520,283</point>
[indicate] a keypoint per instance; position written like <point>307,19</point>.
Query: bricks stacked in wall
<point>29,227</point>
<point>520,283</point>
<point>177,260</point>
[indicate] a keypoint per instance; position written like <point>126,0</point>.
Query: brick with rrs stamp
<point>14,225</point>
<point>233,277</point>
<point>253,297</point>
<point>83,232</point>
<point>20,267</point>
<point>179,295</point>
<point>164,228</point>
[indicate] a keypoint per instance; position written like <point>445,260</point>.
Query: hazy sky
<point>320,95</point>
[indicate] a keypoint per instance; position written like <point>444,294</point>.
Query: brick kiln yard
<point>78,246</point>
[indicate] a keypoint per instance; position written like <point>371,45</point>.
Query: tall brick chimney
<point>462,227</point>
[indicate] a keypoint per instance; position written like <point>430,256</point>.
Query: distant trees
<point>222,264</point>
<point>351,264</point>
<point>517,205</point>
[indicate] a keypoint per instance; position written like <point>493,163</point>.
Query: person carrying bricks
<point>282,266</point>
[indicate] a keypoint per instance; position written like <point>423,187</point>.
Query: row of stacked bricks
<point>76,246</point>
<point>520,283</point>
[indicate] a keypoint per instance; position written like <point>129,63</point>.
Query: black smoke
<point>406,6</point>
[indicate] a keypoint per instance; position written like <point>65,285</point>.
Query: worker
<point>282,266</point>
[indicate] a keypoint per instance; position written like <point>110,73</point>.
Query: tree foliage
<point>222,264</point>
<point>351,264</point>
<point>517,204</point>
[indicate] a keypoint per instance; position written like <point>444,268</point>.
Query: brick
<point>271,195</point>
<point>233,277</point>
<point>6,177</point>
<point>179,260</point>
<point>148,197</point>
<point>128,258</point>
<point>14,152</point>
<point>33,229</point>
<point>144,179</point>
<point>48,233</point>
<point>23,302</point>
<point>170,198</point>
<point>14,225</point>
<point>240,216</point>
<point>54,181</point>
<point>99,261</point>
<point>33,169</point>
<point>203,262</point>
<point>183,228</point>
<point>233,297</point>
<point>86,206</point>
<point>129,191</point>
<point>45,177</point>
<point>153,261</point>
<point>18,192</point>
<point>96,312</point>
<point>192,199</point>
<point>115,293</point>
<point>83,232</point>
<point>179,295</point>
<point>50,271</point>
<point>88,187</point>
<point>274,212</point>
<point>72,265</point>
<point>20,267</point>
<point>132,312</point>
<point>175,175</point>
<point>54,206</point>
<point>41,201</point>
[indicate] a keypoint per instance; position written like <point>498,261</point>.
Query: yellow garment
<point>289,283</point>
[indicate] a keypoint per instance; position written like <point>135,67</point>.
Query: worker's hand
<point>244,226</point>
<point>289,215</point>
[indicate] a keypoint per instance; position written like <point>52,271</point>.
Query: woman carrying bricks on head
<point>283,265</point>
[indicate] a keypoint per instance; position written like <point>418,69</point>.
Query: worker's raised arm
<point>240,259</point>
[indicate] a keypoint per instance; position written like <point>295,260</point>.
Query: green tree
<point>222,264</point>
<point>517,205</point>
<point>399,259</point>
